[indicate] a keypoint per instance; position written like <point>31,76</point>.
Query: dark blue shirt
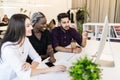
<point>64,38</point>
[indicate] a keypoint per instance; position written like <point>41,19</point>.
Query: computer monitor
<point>106,60</point>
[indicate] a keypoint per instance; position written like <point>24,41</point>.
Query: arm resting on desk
<point>36,71</point>
<point>34,64</point>
<point>63,49</point>
<point>51,53</point>
<point>71,50</point>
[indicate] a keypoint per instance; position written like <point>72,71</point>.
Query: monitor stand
<point>106,61</point>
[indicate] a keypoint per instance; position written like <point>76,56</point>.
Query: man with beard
<point>63,35</point>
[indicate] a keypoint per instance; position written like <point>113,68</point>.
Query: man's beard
<point>67,27</point>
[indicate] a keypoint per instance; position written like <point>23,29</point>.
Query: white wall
<point>50,8</point>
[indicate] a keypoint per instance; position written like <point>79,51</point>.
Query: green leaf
<point>85,69</point>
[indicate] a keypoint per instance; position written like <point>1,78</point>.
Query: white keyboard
<point>68,59</point>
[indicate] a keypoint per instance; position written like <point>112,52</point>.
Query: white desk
<point>109,73</point>
<point>3,29</point>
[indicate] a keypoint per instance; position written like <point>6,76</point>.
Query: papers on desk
<point>66,58</point>
<point>54,76</point>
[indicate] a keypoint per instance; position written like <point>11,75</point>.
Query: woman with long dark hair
<point>14,49</point>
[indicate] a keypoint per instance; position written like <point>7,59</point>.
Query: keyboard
<point>68,59</point>
<point>68,56</point>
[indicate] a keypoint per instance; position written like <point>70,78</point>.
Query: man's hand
<point>52,59</point>
<point>77,50</point>
<point>85,34</point>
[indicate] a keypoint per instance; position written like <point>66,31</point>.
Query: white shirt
<point>13,59</point>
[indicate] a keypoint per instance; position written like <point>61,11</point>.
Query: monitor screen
<point>101,46</point>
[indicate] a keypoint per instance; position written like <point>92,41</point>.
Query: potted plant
<point>85,69</point>
<point>81,16</point>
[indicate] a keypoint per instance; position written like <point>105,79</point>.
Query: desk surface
<point>109,73</point>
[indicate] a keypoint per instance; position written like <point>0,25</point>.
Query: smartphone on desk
<point>49,64</point>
